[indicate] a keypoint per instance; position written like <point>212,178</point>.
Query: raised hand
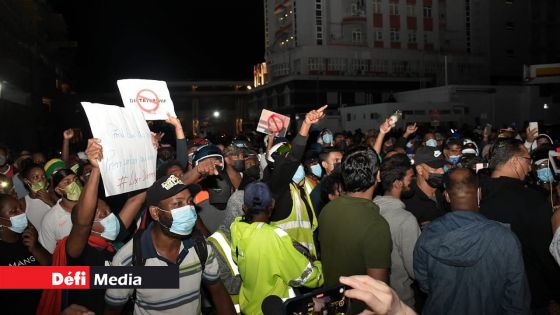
<point>531,134</point>
<point>410,129</point>
<point>385,126</point>
<point>208,167</point>
<point>94,152</point>
<point>174,121</point>
<point>68,134</point>
<point>315,115</point>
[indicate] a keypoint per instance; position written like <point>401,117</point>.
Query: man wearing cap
<point>169,240</point>
<point>269,264</point>
<point>427,202</point>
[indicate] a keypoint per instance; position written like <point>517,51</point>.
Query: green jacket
<point>269,264</point>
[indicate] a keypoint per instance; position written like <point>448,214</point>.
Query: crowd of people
<point>412,221</point>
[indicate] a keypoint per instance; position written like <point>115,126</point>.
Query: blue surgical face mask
<point>299,175</point>
<point>431,143</point>
<point>19,223</point>
<point>545,175</point>
<point>111,227</point>
<point>327,138</point>
<point>317,170</point>
<point>454,159</point>
<point>184,219</point>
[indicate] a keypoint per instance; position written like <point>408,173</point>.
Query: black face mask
<point>253,172</point>
<point>238,165</point>
<point>337,168</point>
<point>435,180</point>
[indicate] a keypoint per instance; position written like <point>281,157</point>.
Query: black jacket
<point>507,200</point>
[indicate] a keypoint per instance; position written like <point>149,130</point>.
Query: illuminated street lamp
<point>216,114</point>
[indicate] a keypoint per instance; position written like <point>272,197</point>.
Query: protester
<point>506,199</point>
<point>257,243</point>
<point>94,228</point>
<point>56,223</point>
<point>452,150</point>
<point>485,255</point>
<point>19,247</point>
<point>427,202</point>
<point>313,170</point>
<point>354,237</point>
<point>396,178</point>
<point>294,211</point>
<point>38,202</point>
<point>5,167</point>
<point>330,159</point>
<point>169,240</point>
<point>331,189</point>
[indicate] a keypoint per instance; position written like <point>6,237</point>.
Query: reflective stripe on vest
<point>308,186</point>
<point>224,248</point>
<point>298,224</point>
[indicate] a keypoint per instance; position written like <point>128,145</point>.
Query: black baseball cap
<point>168,186</point>
<point>429,156</point>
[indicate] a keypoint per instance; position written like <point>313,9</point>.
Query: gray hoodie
<point>404,234</point>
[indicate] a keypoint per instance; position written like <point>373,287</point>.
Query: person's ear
<point>446,195</point>
<point>154,213</point>
<point>399,184</point>
<point>324,164</point>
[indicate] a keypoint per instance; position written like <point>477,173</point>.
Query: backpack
<point>139,260</point>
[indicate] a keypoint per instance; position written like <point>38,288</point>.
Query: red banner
<point>45,277</point>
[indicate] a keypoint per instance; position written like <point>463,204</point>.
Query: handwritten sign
<point>271,122</point>
<point>149,96</point>
<point>129,158</point>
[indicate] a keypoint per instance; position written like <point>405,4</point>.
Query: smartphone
<point>479,166</point>
<point>329,301</point>
<point>534,125</point>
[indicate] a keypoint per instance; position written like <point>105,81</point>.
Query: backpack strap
<point>200,246</point>
<point>137,257</point>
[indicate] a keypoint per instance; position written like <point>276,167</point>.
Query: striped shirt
<point>186,299</point>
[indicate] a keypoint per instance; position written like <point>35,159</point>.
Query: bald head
<point>461,189</point>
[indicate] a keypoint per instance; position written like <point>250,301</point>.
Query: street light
<point>216,114</point>
<point>249,87</point>
<point>545,106</point>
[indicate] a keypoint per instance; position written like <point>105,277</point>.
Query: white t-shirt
<point>56,225</point>
<point>35,210</point>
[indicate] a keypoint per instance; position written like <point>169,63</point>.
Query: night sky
<point>166,40</point>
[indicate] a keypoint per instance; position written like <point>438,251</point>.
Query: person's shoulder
<point>123,257</point>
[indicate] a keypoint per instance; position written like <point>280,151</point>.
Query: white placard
<point>151,97</point>
<point>129,158</point>
<point>273,123</point>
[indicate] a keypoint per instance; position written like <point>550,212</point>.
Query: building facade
<point>354,52</point>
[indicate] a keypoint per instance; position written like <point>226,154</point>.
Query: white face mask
<point>111,227</point>
<point>18,222</point>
